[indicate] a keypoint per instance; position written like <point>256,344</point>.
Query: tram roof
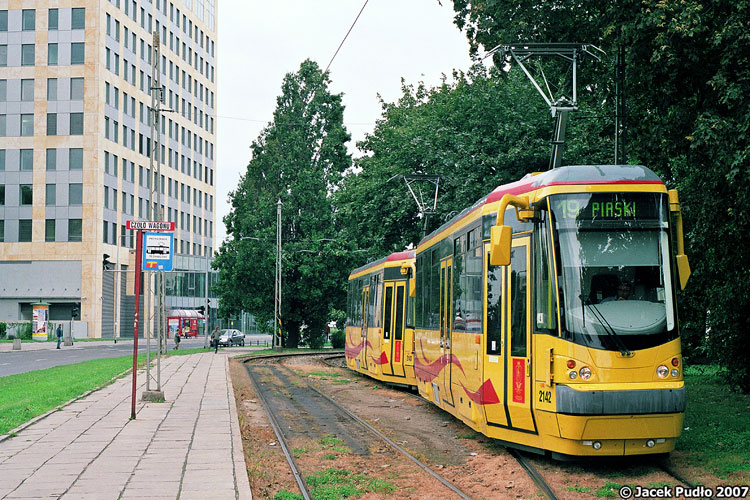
<point>395,256</point>
<point>567,175</point>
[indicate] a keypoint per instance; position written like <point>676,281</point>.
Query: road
<point>13,362</point>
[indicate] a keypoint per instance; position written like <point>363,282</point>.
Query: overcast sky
<point>259,41</point>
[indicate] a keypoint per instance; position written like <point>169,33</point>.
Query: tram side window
<point>388,307</point>
<point>545,289</point>
<point>399,330</point>
<point>433,314</point>
<point>495,284</point>
<point>518,342</point>
<point>459,297</point>
<point>420,293</point>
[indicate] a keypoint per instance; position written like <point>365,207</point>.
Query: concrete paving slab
<point>91,449</point>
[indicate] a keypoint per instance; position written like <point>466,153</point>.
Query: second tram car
<point>544,315</point>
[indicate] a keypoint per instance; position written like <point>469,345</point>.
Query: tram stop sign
<point>158,251</point>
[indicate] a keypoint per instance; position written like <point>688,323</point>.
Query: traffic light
<point>105,262</point>
<point>202,310</point>
<point>75,312</point>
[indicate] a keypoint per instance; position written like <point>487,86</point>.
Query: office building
<point>75,136</point>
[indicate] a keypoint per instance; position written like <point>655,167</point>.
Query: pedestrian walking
<point>59,334</point>
<point>176,340</point>
<point>215,340</point>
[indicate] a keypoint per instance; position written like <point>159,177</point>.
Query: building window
<point>3,55</point>
<point>26,160</point>
<point>105,239</point>
<point>2,231</point>
<point>51,89</point>
<point>50,195</point>
<point>51,123</point>
<point>27,125</point>
<point>53,14</point>
<point>75,194</point>
<point>76,89</point>
<point>106,197</point>
<point>74,229</point>
<point>26,194</point>
<point>77,53</point>
<point>51,159</point>
<point>78,19</point>
<point>76,123</point>
<point>3,90</point>
<point>28,19</point>
<point>3,20</point>
<point>3,125</point>
<point>2,195</point>
<point>75,158</point>
<point>27,55</point>
<point>27,90</point>
<point>2,160</point>
<point>51,54</point>
<point>24,230</point>
<point>49,230</point>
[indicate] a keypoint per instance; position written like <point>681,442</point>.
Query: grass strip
<point>27,395</point>
<point>716,429</point>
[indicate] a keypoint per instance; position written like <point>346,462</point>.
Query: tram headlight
<point>675,373</point>
<point>585,373</point>
<point>572,375</point>
<point>597,445</point>
<point>662,371</point>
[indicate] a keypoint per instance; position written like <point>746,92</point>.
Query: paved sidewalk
<point>188,447</point>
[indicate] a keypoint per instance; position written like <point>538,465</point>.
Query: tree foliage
<point>298,159</point>
<point>687,88</point>
<point>476,132</point>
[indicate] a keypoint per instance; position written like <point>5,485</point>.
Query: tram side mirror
<point>683,270</point>
<point>500,245</point>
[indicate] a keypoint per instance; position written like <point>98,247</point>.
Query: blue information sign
<point>158,251</point>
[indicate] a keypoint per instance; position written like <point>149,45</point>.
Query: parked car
<point>231,337</point>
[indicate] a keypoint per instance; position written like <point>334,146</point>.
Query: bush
<point>24,331</point>
<point>338,339</point>
<point>3,329</point>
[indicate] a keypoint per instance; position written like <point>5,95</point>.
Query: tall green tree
<point>298,159</point>
<point>478,131</point>
<point>687,89</point>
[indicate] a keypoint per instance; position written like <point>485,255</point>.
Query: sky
<point>260,41</point>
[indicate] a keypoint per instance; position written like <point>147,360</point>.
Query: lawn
<point>27,395</point>
<point>716,430</point>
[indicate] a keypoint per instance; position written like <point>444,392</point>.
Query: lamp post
<point>277,295</point>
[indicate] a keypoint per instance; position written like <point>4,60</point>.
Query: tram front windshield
<point>613,261</point>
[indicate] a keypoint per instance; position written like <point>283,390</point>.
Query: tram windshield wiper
<point>611,331</point>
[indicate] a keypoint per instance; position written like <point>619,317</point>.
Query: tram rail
<point>283,440</point>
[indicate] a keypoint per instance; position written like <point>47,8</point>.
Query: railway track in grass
<point>281,396</point>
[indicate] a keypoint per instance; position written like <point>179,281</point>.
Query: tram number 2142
<point>545,396</point>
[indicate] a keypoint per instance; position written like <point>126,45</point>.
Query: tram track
<point>338,409</point>
<point>525,464</point>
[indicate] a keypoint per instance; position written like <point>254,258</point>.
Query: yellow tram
<point>380,335</point>
<point>544,315</point>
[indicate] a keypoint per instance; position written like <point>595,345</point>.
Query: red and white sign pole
<point>138,248</point>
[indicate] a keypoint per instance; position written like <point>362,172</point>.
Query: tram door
<point>507,373</point>
<point>446,306</point>
<point>392,341</point>
<point>386,341</point>
<point>518,336</point>
<point>365,314</point>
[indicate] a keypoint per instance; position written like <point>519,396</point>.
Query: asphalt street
<point>13,362</point>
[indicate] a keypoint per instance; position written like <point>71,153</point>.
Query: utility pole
<point>154,186</point>
<point>205,329</point>
<point>277,292</point>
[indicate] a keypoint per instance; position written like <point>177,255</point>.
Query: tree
<point>479,131</point>
<point>687,88</point>
<point>299,159</point>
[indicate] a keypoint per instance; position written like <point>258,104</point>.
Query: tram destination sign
<point>149,225</point>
